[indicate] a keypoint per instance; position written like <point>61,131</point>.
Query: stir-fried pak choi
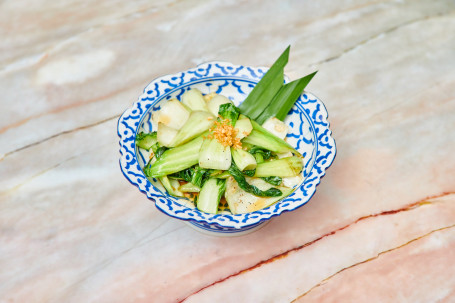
<point>217,155</point>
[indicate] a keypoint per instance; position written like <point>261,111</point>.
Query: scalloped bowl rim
<point>244,221</point>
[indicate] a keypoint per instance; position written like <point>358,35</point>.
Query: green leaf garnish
<point>263,93</point>
<point>285,99</point>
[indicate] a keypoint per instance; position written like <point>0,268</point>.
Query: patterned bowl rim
<point>163,87</point>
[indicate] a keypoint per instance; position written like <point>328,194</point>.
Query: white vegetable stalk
<point>210,195</point>
<point>214,155</point>
<point>285,167</point>
<point>241,202</point>
<point>243,159</point>
<point>284,155</point>
<point>165,134</point>
<point>194,100</point>
<point>209,97</point>
<point>214,104</point>
<point>171,186</point>
<point>292,181</point>
<point>197,123</point>
<point>276,127</point>
<point>244,127</point>
<point>189,188</point>
<point>176,159</point>
<point>172,114</point>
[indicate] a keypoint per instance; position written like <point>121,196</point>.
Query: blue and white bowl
<point>309,133</point>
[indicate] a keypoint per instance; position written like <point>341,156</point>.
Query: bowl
<point>309,133</point>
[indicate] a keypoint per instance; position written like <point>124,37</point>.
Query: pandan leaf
<point>263,93</point>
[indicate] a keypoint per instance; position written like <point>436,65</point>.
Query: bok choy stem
<point>243,159</point>
<point>268,141</point>
<point>197,123</point>
<point>210,195</point>
<point>146,140</point>
<point>214,155</point>
<point>285,167</point>
<point>176,159</point>
<point>265,138</point>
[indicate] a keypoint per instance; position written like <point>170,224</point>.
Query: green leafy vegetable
<point>220,174</point>
<point>274,180</point>
<point>155,147</point>
<point>263,93</point>
<point>197,123</point>
<point>214,155</point>
<point>199,176</point>
<point>243,159</point>
<point>185,175</point>
<point>159,151</point>
<point>268,141</point>
<point>170,186</point>
<point>206,164</point>
<point>210,195</point>
<point>259,158</point>
<point>240,178</point>
<point>241,202</point>
<point>284,167</point>
<point>266,154</point>
<point>196,175</point>
<point>249,173</point>
<point>229,111</point>
<point>263,138</point>
<point>215,103</point>
<point>146,140</point>
<point>176,159</point>
<point>189,188</point>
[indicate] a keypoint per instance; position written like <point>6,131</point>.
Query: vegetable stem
<point>197,123</point>
<point>176,159</point>
<point>146,140</point>
<point>273,140</point>
<point>285,167</point>
<point>268,141</point>
<point>210,195</point>
<point>214,155</point>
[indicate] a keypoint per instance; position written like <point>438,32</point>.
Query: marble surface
<point>380,228</point>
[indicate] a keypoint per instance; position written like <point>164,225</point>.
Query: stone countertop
<point>380,228</point>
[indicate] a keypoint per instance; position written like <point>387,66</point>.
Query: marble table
<point>381,227</point>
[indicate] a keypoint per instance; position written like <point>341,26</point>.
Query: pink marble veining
<point>415,273</point>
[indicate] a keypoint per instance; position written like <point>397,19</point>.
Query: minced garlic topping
<point>225,133</point>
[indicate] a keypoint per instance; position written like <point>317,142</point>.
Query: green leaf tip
<point>284,100</point>
<point>263,93</point>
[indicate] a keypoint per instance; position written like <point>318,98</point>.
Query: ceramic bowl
<point>309,133</point>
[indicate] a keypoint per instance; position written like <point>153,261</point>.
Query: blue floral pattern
<point>308,131</point>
